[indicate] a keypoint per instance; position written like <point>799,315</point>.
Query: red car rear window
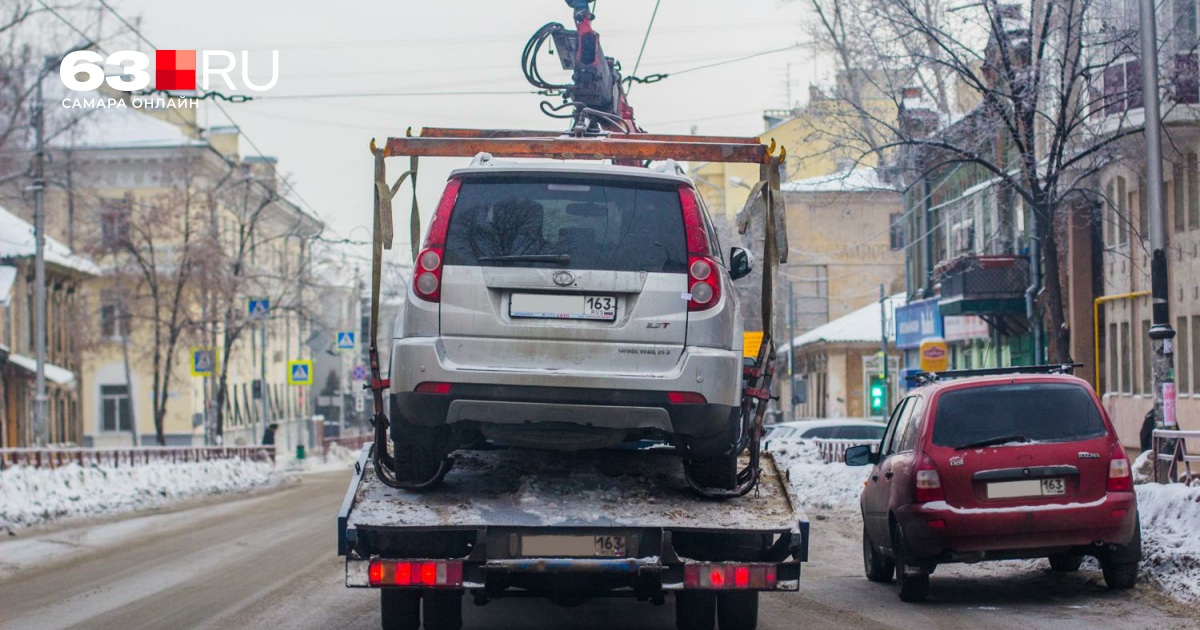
<point>1036,412</point>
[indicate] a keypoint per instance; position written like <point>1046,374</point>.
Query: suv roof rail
<point>925,378</point>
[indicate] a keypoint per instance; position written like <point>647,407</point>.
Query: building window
<point>1126,384</point>
<point>115,411</point>
<point>1182,361</point>
<point>1114,361</point>
<point>1195,338</point>
<point>1143,214</point>
<point>1122,213</point>
<point>114,318</point>
<point>896,231</point>
<point>114,222</point>
<point>1110,227</point>
<point>1147,370</point>
<point>1193,191</point>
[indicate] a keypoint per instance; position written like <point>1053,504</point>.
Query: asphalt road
<point>268,561</point>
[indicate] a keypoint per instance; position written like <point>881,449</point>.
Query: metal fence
<point>352,442</point>
<point>1171,446</point>
<point>834,451</point>
<point>132,456</point>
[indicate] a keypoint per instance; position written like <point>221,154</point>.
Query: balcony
<point>983,285</point>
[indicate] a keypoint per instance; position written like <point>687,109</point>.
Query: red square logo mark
<point>175,69</point>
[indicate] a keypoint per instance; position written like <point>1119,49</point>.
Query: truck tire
<point>695,610</point>
<point>443,610</point>
<point>419,451</point>
<point>878,567</point>
<point>914,585</point>
<point>399,609</point>
<point>718,472</point>
<point>737,611</point>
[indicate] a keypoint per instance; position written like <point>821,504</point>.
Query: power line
<point>126,23</point>
<point>397,94</point>
<point>637,64</point>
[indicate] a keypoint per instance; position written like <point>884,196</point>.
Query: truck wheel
<point>443,610</point>
<point>1065,562</point>
<point>718,472</point>
<point>419,451</point>
<point>400,609</point>
<point>737,611</point>
<point>695,610</point>
<point>913,581</point>
<point>878,567</point>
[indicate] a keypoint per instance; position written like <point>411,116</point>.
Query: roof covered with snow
<point>863,179</point>
<point>860,326</point>
<point>8,277</point>
<point>122,128</point>
<point>16,241</point>
<point>54,373</point>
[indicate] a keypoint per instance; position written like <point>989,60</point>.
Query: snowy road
<point>269,561</point>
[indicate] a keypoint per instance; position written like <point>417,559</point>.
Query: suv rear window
<point>1041,412</point>
<point>609,224</point>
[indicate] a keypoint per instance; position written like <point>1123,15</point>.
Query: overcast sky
<point>453,45</point>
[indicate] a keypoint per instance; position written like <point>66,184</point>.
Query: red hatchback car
<point>1015,465</point>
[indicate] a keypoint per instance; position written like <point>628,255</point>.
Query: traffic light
<point>877,395</point>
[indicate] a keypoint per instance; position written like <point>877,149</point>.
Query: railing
<point>984,277</point>
<point>1178,455</point>
<point>139,456</point>
<point>352,442</point>
<point>834,451</point>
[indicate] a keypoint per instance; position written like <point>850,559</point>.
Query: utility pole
<point>40,402</point>
<point>1161,333</point>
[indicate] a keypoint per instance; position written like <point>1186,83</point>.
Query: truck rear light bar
<point>418,573</point>
<point>729,576</point>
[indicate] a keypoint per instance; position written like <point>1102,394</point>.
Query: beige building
<point>185,231</point>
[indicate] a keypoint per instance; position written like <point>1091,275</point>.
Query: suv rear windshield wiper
<point>994,441</point>
<point>562,259</point>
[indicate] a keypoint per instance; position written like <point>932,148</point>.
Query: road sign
<point>345,340</point>
<point>258,309</point>
<point>204,361</point>
<point>300,373</point>
<point>360,373</point>
<point>751,343</point>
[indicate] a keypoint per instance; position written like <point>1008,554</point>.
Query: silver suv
<point>570,306</point>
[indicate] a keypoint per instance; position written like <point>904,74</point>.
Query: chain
<point>228,98</point>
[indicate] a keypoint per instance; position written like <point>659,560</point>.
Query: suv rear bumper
<point>942,532</point>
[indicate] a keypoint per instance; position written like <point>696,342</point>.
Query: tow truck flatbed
<point>570,526</point>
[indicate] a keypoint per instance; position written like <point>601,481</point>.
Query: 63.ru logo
<point>174,70</point>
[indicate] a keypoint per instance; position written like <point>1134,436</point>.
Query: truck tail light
<point>1120,479</point>
<point>928,483</point>
<point>418,573</point>
<point>729,576</point>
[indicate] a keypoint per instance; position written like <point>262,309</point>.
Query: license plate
<point>1026,488</point>
<point>573,546</point>
<point>549,306</point>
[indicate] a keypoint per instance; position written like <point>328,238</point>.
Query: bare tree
<point>1046,122</point>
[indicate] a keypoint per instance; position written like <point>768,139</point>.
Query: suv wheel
<point>1120,567</point>
<point>912,579</point>
<point>878,567</point>
<point>420,452</point>
<point>718,472</point>
<point>1065,562</point>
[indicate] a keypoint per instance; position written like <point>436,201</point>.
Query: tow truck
<point>571,527</point>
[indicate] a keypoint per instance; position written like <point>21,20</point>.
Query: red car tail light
<point>704,283</point>
<point>928,483</point>
<point>427,276</point>
<point>1120,478</point>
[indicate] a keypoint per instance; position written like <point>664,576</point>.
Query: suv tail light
<point>427,276</point>
<point>1120,479</point>
<point>704,281</point>
<point>928,483</point>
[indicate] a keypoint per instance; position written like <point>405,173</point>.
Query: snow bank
<point>1171,537</point>
<point>29,496</point>
<point>338,458</point>
<point>819,486</point>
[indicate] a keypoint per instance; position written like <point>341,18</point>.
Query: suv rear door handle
<point>889,474</point>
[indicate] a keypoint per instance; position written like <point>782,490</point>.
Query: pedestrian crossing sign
<point>259,309</point>
<point>204,361</point>
<point>345,340</point>
<point>300,373</point>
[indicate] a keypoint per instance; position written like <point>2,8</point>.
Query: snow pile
<point>1143,468</point>
<point>337,458</point>
<point>29,496</point>
<point>819,486</point>
<point>1171,537</point>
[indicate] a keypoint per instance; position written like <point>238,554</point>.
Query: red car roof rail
<point>924,378</point>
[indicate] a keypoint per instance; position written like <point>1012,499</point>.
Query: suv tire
<point>914,587</point>
<point>718,472</point>
<point>419,452</point>
<point>878,567</point>
<point>1120,567</point>
<point>1065,562</point>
